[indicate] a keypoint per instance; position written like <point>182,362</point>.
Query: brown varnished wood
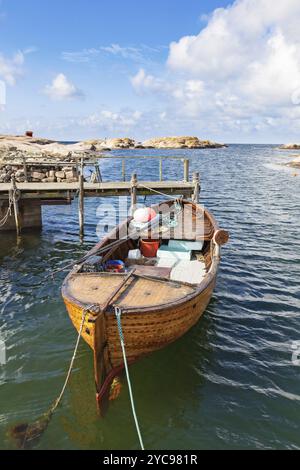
<point>155,311</point>
<point>102,363</point>
<point>221,237</point>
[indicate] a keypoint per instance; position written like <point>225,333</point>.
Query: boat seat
<point>92,288</point>
<point>89,289</point>
<point>192,272</point>
<point>152,271</point>
<point>147,293</point>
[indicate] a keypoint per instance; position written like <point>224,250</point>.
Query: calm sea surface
<point>229,383</point>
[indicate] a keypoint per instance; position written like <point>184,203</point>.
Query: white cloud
<point>30,50</point>
<point>132,53</point>
<point>100,124</point>
<point>142,53</point>
<point>187,92</point>
<point>143,82</point>
<point>80,56</point>
<point>242,70</point>
<point>86,55</point>
<point>251,47</point>
<point>63,89</point>
<point>111,121</point>
<point>11,69</point>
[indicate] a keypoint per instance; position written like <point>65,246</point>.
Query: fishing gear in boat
<point>134,233</point>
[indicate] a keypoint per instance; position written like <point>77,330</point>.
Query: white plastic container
<point>183,245</point>
<point>135,255</point>
<point>192,272</point>
<point>167,252</point>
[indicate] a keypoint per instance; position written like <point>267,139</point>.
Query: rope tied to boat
<point>26,433</point>
<point>58,400</point>
<point>157,192</point>
<point>118,313</point>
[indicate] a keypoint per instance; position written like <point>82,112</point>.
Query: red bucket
<point>149,248</point>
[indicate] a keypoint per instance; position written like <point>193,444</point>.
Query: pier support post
<point>124,170</point>
<point>14,194</point>
<point>196,181</point>
<point>161,169</point>
<point>81,203</point>
<point>25,169</point>
<point>134,182</point>
<point>30,215</point>
<point>98,173</point>
<point>186,170</point>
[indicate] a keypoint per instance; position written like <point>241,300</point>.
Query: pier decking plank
<point>57,190</point>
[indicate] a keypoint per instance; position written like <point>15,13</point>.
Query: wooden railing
<point>161,159</point>
<point>78,163</point>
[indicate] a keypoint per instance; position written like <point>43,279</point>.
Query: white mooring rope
<point>59,399</point>
<point>157,192</point>
<point>35,430</point>
<point>118,313</point>
<point>12,195</point>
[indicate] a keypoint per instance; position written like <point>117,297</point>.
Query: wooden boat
<point>156,310</point>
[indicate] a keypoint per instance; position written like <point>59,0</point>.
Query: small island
<point>181,143</point>
<point>30,145</point>
<point>296,162</point>
<point>155,143</point>
<point>290,147</point>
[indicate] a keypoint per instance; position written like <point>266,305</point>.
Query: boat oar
<point>28,434</point>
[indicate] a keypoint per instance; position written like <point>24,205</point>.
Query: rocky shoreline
<point>290,147</point>
<point>294,163</point>
<point>48,161</point>
<point>181,143</point>
<point>156,143</point>
<point>38,174</point>
<point>13,146</point>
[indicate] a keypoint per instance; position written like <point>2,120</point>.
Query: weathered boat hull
<point>146,328</point>
<point>143,336</point>
<point>147,334</point>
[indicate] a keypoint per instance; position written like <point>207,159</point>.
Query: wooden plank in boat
<point>152,293</point>
<point>93,288</point>
<point>191,226</point>
<point>155,271</point>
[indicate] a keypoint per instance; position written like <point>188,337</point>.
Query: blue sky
<point>222,70</point>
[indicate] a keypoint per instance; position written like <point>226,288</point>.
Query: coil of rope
<point>14,195</point>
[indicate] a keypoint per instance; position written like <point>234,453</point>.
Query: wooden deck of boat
<point>89,289</point>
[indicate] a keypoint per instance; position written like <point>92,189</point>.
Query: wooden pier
<point>25,199</point>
